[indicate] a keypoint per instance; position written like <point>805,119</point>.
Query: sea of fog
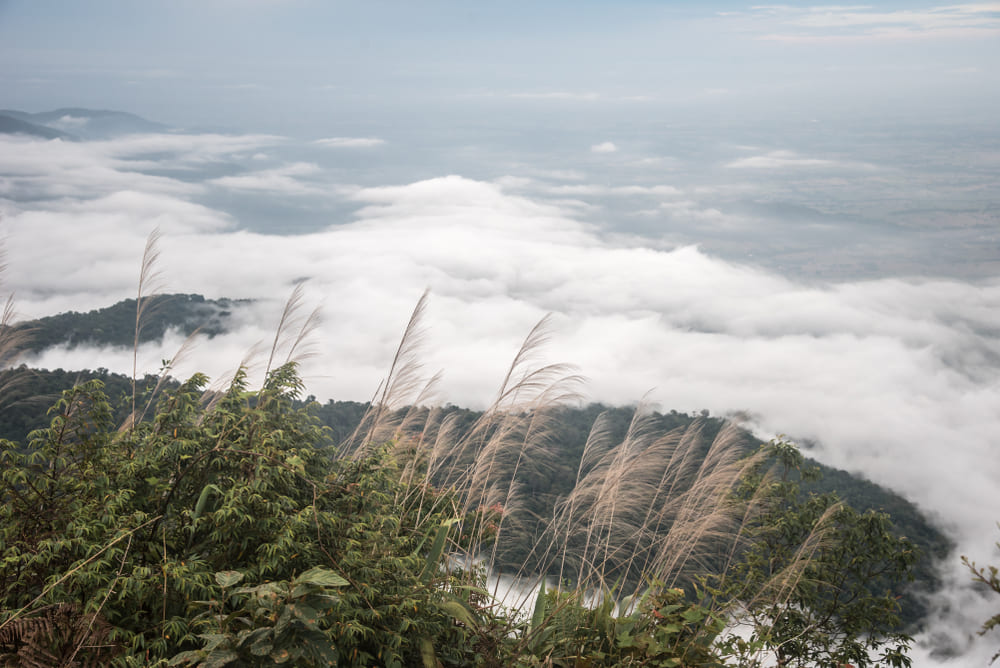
<point>836,283</point>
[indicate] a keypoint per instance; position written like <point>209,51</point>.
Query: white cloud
<point>558,95</point>
<point>37,170</point>
<point>182,148</point>
<point>604,147</point>
<point>560,174</point>
<point>568,96</point>
<point>70,123</point>
<point>777,160</point>
<point>524,184</point>
<point>853,23</point>
<point>282,180</point>
<point>650,161</point>
<point>350,142</point>
<point>792,160</point>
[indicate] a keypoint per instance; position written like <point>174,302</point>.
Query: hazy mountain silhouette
<point>12,125</point>
<point>85,123</point>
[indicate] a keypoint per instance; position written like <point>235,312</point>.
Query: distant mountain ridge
<point>12,125</point>
<point>76,123</point>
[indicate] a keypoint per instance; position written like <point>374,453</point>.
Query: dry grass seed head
<point>291,336</point>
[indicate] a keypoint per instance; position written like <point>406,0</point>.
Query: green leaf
<point>296,463</point>
<point>322,577</point>
<point>213,640</point>
<point>284,618</point>
<point>228,578</point>
<point>324,652</point>
<point>263,643</point>
<point>203,499</point>
<point>437,549</point>
<point>427,653</point>
<point>538,615</point>
<point>219,658</point>
<point>192,656</point>
<point>459,612</point>
<point>306,614</point>
<point>693,615</point>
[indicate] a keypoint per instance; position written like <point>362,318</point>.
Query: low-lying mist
<point>892,378</point>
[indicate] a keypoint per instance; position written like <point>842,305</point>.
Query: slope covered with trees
<point>223,532</point>
<point>32,391</point>
<point>116,325</point>
<point>157,523</point>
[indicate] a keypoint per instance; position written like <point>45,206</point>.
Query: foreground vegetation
<point>26,402</point>
<point>542,483</point>
<point>227,528</point>
<point>222,532</point>
<point>988,577</point>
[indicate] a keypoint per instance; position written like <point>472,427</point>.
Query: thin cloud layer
<point>350,142</point>
<point>284,180</point>
<point>860,22</point>
<point>893,378</point>
<point>778,160</point>
<point>791,160</point>
<point>604,147</point>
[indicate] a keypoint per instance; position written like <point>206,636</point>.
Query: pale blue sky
<point>278,64</point>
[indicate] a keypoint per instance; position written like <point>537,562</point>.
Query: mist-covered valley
<point>890,375</point>
<point>786,216</point>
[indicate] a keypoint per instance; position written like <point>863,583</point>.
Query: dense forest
<point>33,391</point>
<point>116,325</point>
<point>159,523</point>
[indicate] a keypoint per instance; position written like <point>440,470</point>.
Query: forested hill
<point>27,398</point>
<point>27,401</point>
<point>115,325</point>
<point>33,391</point>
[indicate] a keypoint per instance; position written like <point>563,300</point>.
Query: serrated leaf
<point>219,659</point>
<point>283,619</point>
<point>328,653</point>
<point>212,640</point>
<point>306,614</point>
<point>228,578</point>
<point>693,615</point>
<point>296,463</point>
<point>262,643</point>
<point>322,577</point>
<point>186,657</point>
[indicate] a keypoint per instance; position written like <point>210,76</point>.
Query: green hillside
<point>341,505</point>
<point>115,325</point>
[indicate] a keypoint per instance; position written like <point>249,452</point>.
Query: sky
<point>786,212</point>
<point>297,65</point>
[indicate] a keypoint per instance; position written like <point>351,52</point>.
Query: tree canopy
<point>226,530</point>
